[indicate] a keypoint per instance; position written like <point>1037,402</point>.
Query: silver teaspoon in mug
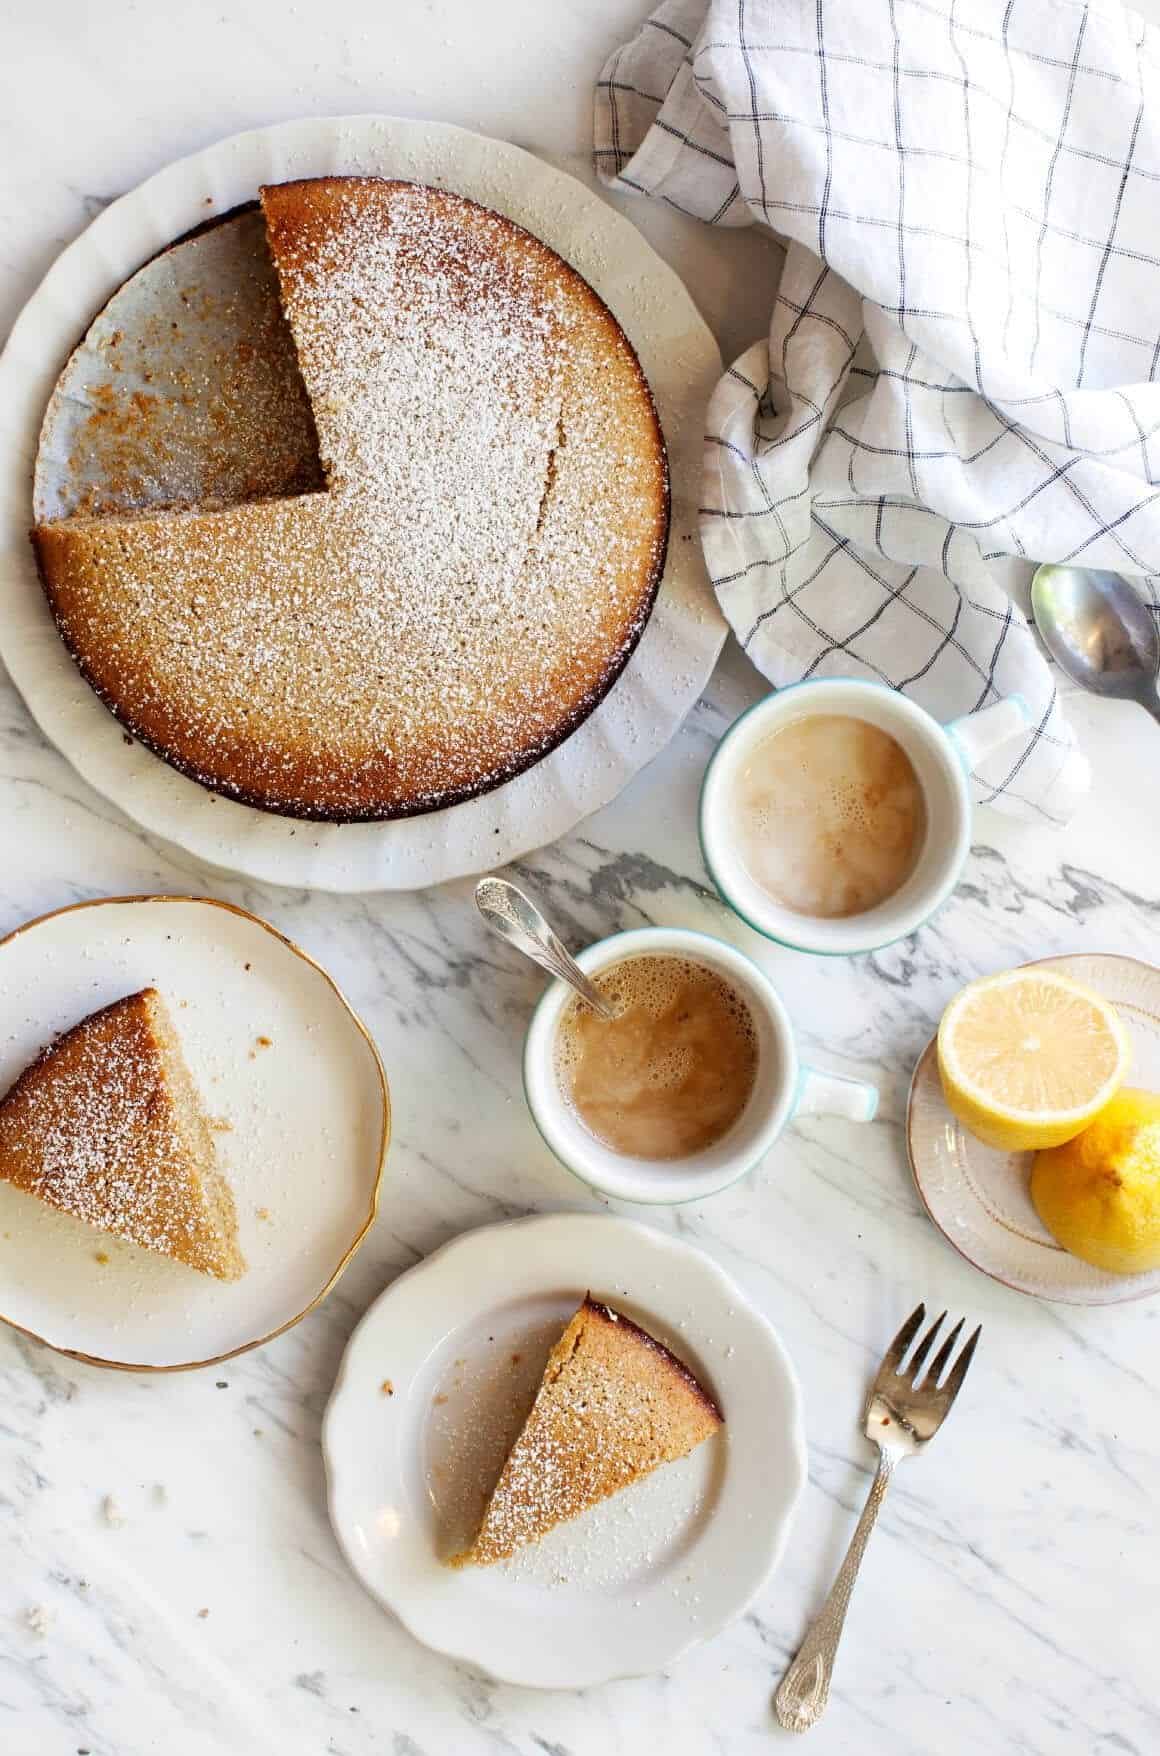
<point>516,918</point>
<point>1099,630</point>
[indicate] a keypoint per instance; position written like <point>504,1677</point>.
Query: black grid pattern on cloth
<point>962,370</point>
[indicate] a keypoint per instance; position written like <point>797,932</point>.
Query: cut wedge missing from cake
<point>106,1126</point>
<point>613,1405</point>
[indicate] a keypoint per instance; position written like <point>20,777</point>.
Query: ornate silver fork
<point>906,1407</point>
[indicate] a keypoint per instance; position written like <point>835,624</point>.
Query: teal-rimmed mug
<point>942,757</point>
<point>783,1087</point>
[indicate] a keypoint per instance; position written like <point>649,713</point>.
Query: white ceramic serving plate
<point>304,1117</point>
<point>979,1198</point>
<point>662,680</point>
<point>432,1390</point>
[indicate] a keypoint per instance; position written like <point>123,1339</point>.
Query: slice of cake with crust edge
<point>613,1405</point>
<point>107,1127</point>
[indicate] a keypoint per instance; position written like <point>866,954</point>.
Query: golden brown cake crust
<point>477,573</point>
<point>613,1405</point>
<point>105,1126</point>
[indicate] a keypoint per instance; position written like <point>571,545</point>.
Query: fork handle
<point>805,1688</point>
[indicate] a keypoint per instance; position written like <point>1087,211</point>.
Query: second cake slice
<point>612,1406</point>
<point>106,1126</point>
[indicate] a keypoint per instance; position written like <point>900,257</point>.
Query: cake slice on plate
<point>612,1406</point>
<point>106,1125</point>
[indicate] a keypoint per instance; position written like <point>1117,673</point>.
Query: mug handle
<point>830,1094</point>
<point>976,735</point>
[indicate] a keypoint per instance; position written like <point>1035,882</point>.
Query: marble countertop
<point>1009,1601</point>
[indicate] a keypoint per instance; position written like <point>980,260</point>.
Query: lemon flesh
<point>1099,1195</point>
<point>1029,1058</point>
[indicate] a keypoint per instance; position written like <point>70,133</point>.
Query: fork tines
<point>931,1379</point>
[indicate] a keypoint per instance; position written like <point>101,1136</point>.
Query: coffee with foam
<point>669,1075</point>
<point>829,816</point>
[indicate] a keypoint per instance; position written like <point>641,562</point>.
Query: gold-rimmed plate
<point>297,1095</point>
<point>979,1198</point>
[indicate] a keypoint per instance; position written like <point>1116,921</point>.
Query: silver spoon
<point>1100,631</point>
<point>516,918</point>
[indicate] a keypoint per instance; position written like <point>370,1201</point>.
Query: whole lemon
<point>1099,1195</point>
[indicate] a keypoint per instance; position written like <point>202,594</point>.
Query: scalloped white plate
<point>432,1390</point>
<point>662,680</point>
<point>979,1199</point>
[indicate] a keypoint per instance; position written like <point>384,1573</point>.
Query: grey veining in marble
<point>1010,1603</point>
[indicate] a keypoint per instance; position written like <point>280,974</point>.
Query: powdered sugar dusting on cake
<point>474,577</point>
<point>613,1405</point>
<point>92,1129</point>
<point>540,1485</point>
<point>478,1401</point>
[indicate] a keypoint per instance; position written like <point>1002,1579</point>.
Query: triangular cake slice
<point>106,1126</point>
<point>612,1406</point>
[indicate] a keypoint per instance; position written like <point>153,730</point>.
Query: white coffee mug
<point>782,1089</point>
<point>942,757</point>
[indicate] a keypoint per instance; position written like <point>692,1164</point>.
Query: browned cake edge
<point>605,1314</point>
<point>502,772</point>
<point>303,813</point>
<point>219,1196</point>
<point>596,1311</point>
<point>126,1003</point>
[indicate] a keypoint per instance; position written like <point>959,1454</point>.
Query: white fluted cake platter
<point>669,667</point>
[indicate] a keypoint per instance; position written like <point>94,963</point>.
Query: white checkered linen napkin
<point>960,373</point>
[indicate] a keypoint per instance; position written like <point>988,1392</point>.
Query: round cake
<point>473,576</point>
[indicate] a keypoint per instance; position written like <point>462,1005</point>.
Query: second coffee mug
<point>938,760</point>
<point>782,1087</point>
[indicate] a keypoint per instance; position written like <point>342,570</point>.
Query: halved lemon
<point>1027,1059</point>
